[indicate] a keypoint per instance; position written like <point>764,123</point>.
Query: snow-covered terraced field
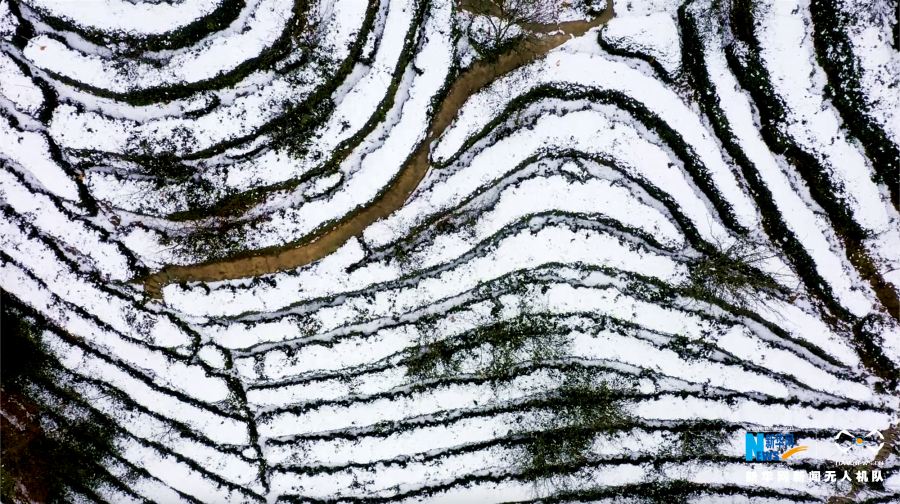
<point>337,251</point>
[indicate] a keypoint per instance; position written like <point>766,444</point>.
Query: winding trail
<point>399,190</point>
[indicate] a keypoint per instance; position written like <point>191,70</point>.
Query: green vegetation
<point>694,65</point>
<point>432,360</point>
<point>496,350</point>
<point>702,438</point>
<point>556,433</point>
<point>163,167</point>
<point>673,491</point>
<point>661,72</point>
<point>855,488</point>
<point>745,62</point>
<point>225,13</point>
<point>688,349</point>
<point>232,204</point>
<point>267,59</point>
<point>560,443</point>
<point>527,338</point>
<point>216,241</point>
<point>293,131</point>
<point>834,51</point>
<point>868,341</point>
<point>668,491</point>
<point>45,452</point>
<point>671,138</point>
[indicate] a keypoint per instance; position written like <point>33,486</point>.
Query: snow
<point>215,427</point>
<point>804,324</point>
<point>520,251</point>
<point>42,213</point>
<point>478,492</point>
<point>355,105</point>
<point>148,487</point>
<point>18,88</point>
<point>554,194</point>
<point>791,196</point>
<point>119,15</point>
<point>589,131</point>
<point>255,30</point>
<point>391,479</point>
<point>892,482</point>
<point>176,475</point>
<point>627,8</point>
<point>8,23</point>
<point>332,417</point>
<point>265,20</point>
<point>191,380</point>
<point>482,30</point>
<point>76,288</point>
<point>242,116</point>
<point>147,427</point>
<point>741,344</point>
<point>32,152</point>
<point>371,449</point>
<point>299,384</point>
<point>747,411</point>
<point>112,494</point>
<point>368,166</point>
<point>353,353</point>
<point>655,35</point>
<point>598,72</point>
<point>816,126</point>
<point>871,36</point>
<point>212,356</point>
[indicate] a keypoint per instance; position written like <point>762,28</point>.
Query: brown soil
<point>23,471</point>
<point>481,74</point>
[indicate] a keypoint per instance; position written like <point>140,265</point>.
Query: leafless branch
<point>503,16</point>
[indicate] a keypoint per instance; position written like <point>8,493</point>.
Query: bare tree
<point>503,19</point>
<point>734,273</point>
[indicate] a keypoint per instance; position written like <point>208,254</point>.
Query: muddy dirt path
<point>326,242</point>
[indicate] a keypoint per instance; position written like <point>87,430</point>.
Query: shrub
<point>561,443</point>
<point>733,273</point>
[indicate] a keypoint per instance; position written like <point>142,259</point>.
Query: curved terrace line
<point>327,242</point>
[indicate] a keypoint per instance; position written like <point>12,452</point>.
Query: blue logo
<point>770,447</point>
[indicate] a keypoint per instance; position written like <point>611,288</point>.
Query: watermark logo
<point>772,446</point>
<point>769,447</point>
<point>845,441</point>
<point>768,477</point>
